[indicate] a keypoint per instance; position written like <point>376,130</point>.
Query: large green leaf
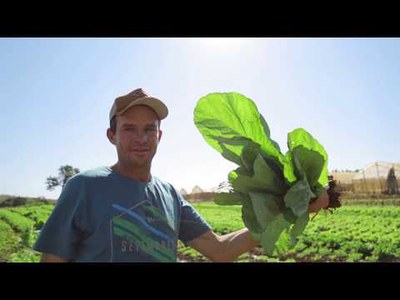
<point>277,167</point>
<point>234,174</point>
<point>272,233</point>
<point>268,175</point>
<point>307,164</point>
<point>232,115</point>
<point>249,217</point>
<point>249,154</point>
<point>298,197</point>
<point>266,207</point>
<point>268,133</point>
<point>298,228</point>
<point>229,154</point>
<point>289,215</point>
<point>227,121</point>
<point>309,155</point>
<point>264,179</point>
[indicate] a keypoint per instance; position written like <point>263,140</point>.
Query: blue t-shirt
<point>103,216</point>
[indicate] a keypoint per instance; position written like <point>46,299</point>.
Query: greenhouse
<point>378,177</point>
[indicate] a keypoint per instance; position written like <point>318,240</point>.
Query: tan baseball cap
<point>138,97</point>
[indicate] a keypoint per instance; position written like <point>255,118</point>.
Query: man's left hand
<point>321,202</point>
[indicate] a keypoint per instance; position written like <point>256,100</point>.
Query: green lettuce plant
<point>274,189</point>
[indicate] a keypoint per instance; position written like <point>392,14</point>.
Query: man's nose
<point>141,137</point>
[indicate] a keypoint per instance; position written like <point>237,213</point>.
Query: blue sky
<point>55,96</point>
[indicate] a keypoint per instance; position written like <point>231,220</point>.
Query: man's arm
<point>47,257</point>
<point>230,246</point>
<point>225,248</point>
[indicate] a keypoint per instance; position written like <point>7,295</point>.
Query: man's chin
<point>140,161</point>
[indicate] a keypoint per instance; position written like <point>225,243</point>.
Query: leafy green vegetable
<point>264,178</point>
<point>249,217</point>
<point>298,197</point>
<point>266,207</point>
<point>309,155</point>
<point>272,233</point>
<point>274,189</point>
<point>230,120</point>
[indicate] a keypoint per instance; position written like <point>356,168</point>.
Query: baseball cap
<point>138,97</point>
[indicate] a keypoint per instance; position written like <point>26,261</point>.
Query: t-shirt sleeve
<point>62,232</point>
<point>192,224</point>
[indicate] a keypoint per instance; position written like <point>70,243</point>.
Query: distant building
<point>183,192</point>
<point>196,190</point>
<point>343,177</point>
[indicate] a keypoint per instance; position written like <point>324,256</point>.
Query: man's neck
<point>141,174</point>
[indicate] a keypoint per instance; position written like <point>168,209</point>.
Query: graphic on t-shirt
<point>142,233</point>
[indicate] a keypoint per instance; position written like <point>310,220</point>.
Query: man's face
<point>137,136</point>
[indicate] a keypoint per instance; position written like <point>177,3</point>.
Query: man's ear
<point>111,136</point>
<point>159,135</point>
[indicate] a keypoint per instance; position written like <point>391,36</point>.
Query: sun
<point>221,44</point>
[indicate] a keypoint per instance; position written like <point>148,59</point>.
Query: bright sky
<point>55,96</point>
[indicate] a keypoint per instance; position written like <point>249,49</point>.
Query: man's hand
<point>48,258</point>
<point>321,202</point>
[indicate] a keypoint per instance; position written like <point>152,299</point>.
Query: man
<point>123,213</point>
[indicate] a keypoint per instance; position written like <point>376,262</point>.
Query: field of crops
<point>350,234</point>
<point>353,233</point>
<point>19,228</point>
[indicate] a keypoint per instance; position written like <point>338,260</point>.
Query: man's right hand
<point>47,257</point>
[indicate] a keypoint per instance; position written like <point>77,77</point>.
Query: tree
<point>64,173</point>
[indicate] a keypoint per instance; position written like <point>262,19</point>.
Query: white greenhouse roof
<point>378,169</point>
